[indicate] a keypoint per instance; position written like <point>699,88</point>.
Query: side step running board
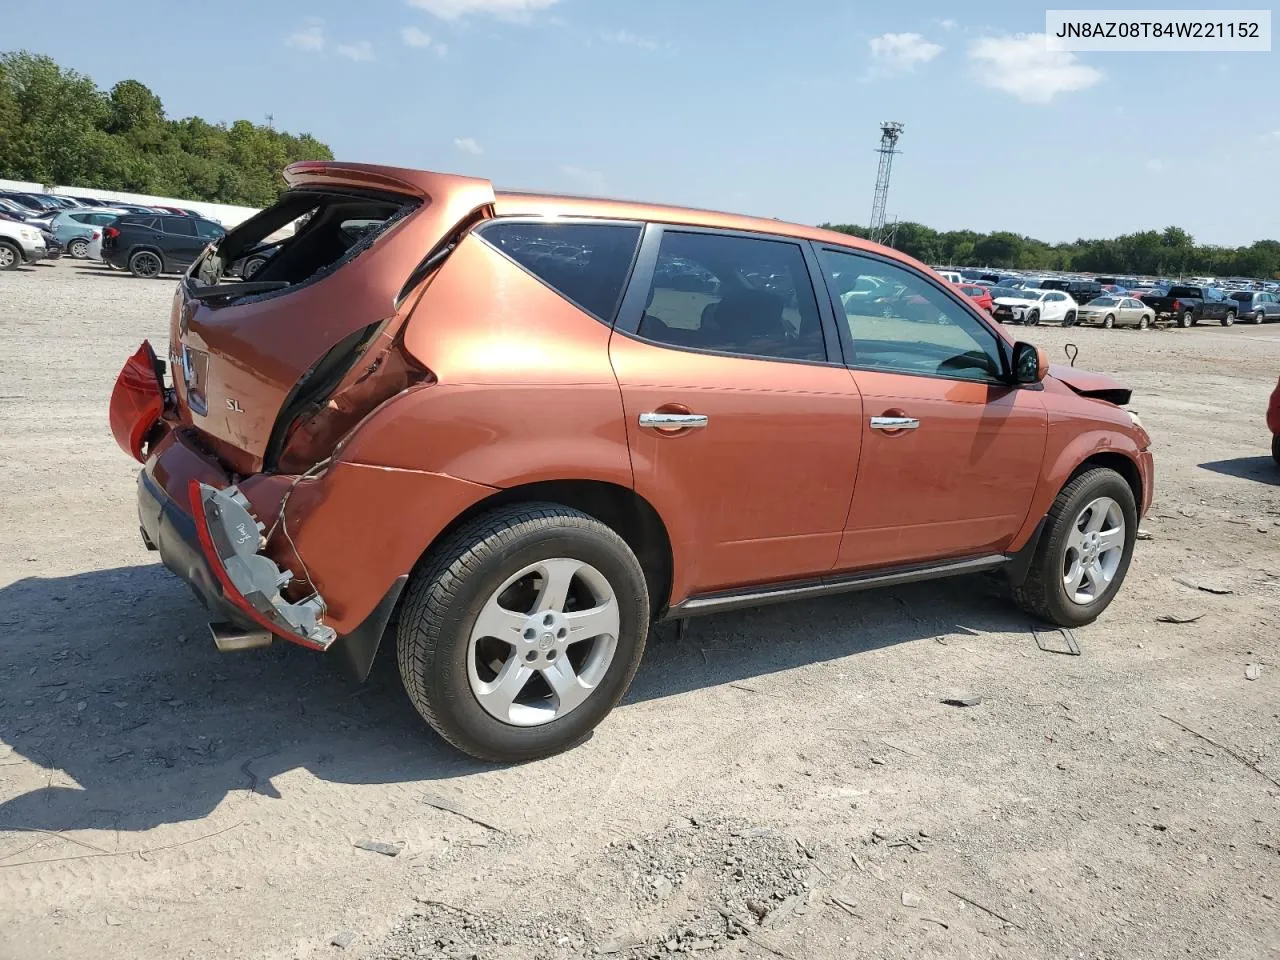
<point>846,583</point>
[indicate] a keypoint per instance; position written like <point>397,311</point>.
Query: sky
<point>764,108</point>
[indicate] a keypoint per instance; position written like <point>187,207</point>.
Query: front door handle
<point>894,423</point>
<point>673,421</point>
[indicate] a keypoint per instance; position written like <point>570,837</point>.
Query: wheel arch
<point>621,509</point>
<point>1118,462</point>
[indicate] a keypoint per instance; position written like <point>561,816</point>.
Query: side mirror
<point>1030,365</point>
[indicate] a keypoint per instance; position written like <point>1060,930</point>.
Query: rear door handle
<point>673,421</point>
<point>894,423</point>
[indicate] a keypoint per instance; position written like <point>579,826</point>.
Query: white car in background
<point>950,276</point>
<point>1034,306</point>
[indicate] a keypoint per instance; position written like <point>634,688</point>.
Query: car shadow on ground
<point>1261,469</point>
<point>103,272</point>
<point>110,684</point>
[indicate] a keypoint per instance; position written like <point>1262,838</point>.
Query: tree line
<point>1169,252</point>
<point>58,128</point>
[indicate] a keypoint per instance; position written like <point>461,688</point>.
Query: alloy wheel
<point>79,249</point>
<point>7,259</point>
<point>543,642</point>
<point>1094,550</point>
<point>146,265</point>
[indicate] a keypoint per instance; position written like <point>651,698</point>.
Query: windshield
<point>1103,302</point>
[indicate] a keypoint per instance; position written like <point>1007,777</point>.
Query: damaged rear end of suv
<point>245,491</point>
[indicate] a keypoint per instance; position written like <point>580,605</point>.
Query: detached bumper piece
<point>230,537</point>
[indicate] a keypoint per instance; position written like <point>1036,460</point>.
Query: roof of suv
<point>518,203</point>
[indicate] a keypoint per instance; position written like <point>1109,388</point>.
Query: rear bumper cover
<point>171,530</point>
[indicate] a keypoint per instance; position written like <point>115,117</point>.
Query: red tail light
<point>1177,306</point>
<point>111,233</point>
<point>137,401</point>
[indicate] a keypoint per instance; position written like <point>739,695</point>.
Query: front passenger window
<point>899,321</point>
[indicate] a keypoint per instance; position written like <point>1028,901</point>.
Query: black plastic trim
<point>1020,562</point>
<point>358,648</point>
<point>826,586</point>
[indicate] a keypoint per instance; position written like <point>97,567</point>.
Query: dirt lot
<point>158,800</point>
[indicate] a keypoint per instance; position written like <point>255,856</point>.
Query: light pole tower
<point>890,131</point>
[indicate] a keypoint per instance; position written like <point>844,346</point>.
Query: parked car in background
<point>496,425</point>
<point>1035,306</point>
<point>74,229</point>
<point>19,244</point>
<point>978,293</point>
<point>148,245</point>
<point>53,248</point>
<point>1187,305</point>
<point>1116,312</point>
<point>1081,291</point>
<point>254,259</point>
<point>951,276</point>
<point>1256,305</point>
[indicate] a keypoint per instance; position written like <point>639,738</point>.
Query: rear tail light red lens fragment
<point>137,401</point>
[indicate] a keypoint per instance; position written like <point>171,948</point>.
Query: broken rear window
<point>302,238</point>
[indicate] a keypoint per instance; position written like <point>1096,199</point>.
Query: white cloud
<point>589,181</point>
<point>505,9</point>
<point>310,37</point>
<point>897,53</point>
<point>414,37</point>
<point>1155,166</point>
<point>468,145</point>
<point>948,24</point>
<point>360,51</point>
<point>1022,66</point>
<point>628,39</point>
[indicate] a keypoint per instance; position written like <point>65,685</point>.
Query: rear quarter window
<point>586,263</point>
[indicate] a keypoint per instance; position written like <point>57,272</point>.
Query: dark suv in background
<point>1081,291</point>
<point>148,245</point>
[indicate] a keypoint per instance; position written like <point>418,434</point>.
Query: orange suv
<point>508,432</point>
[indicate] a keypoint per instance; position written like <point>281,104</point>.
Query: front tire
<point>10,256</point>
<point>522,631</point>
<point>145,265</point>
<point>1033,318</point>
<point>1258,316</point>
<point>1069,320</point>
<point>1229,318</point>
<point>1109,321</point>
<point>1084,550</point>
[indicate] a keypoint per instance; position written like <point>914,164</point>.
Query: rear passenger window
<point>587,263</point>
<point>181,226</point>
<point>733,294</point>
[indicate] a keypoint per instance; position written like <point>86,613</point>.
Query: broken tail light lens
<point>111,233</point>
<point>230,538</point>
<point>137,401</point>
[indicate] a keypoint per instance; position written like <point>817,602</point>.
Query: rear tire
<point>251,266</point>
<point>1044,593</point>
<point>1143,323</point>
<point>1275,449</point>
<point>79,249</point>
<point>453,672</point>
<point>1070,319</point>
<point>1185,319</point>
<point>1109,321</point>
<point>10,256</point>
<point>145,265</point>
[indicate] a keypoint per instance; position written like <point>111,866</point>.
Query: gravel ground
<point>784,782</point>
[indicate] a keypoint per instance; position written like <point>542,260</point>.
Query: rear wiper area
<point>242,288</point>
